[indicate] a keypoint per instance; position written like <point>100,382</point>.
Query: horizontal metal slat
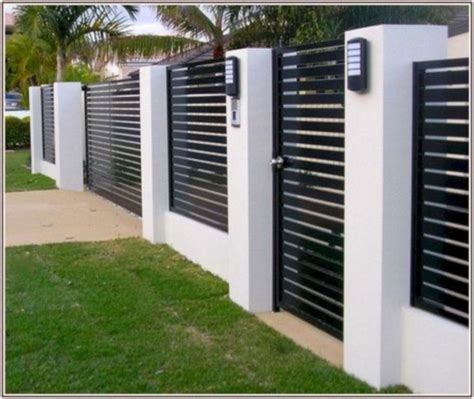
<point>441,230</point>
<point>219,179</point>
<point>445,298</point>
<point>448,181</point>
<point>305,152</point>
<point>214,149</point>
<point>318,317</point>
<point>316,207</point>
<point>335,225</point>
<point>312,112</point>
<point>316,284</point>
<point>178,178</point>
<point>448,164</point>
<point>330,55</point>
<point>326,168</point>
<point>201,109</point>
<point>442,281</point>
<point>316,300</point>
<point>333,127</point>
<point>445,215</point>
<point>198,90</point>
<point>198,100</point>
<point>331,239</point>
<point>312,98</point>
<point>207,138</point>
<point>318,71</point>
<point>324,182</point>
<point>193,155</point>
<point>445,95</point>
<point>219,169</point>
<point>199,118</point>
<point>445,265</point>
<point>331,268</point>
<point>314,193</point>
<point>445,248</point>
<point>445,147</point>
<point>445,129</point>
<point>314,271</point>
<point>319,249</point>
<point>332,84</point>
<point>445,112</point>
<point>199,128</point>
<point>446,198</point>
<point>445,78</point>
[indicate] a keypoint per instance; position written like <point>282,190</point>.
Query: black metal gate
<point>440,239</point>
<point>113,152</point>
<point>47,113</point>
<point>309,182</point>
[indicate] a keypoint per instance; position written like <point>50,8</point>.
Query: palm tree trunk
<point>218,51</point>
<point>60,65</point>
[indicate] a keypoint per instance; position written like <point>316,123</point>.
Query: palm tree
<point>67,29</point>
<point>192,26</point>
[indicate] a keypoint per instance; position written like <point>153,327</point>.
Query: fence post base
<point>249,152</point>
<point>69,135</point>
<point>36,129</point>
<point>378,189</point>
<point>154,151</point>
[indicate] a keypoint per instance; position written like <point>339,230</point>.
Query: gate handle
<point>278,162</point>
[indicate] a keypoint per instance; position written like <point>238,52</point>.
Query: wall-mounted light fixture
<point>357,64</point>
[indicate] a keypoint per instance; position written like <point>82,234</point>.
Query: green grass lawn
<point>18,174</point>
<point>126,316</point>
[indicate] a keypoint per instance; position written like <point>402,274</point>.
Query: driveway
<point>50,216</point>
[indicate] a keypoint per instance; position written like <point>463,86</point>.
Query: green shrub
<point>17,132</point>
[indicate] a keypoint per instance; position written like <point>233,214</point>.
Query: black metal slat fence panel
<point>198,142</point>
<point>113,141</point>
<point>309,101</point>
<point>47,109</point>
<point>440,239</point>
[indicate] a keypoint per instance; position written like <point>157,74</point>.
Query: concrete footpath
<point>50,216</point>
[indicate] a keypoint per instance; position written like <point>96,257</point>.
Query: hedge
<point>17,132</point>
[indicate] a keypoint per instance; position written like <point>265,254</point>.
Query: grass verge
<point>18,174</point>
<point>125,316</point>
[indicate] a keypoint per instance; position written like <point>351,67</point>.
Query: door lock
<point>278,162</point>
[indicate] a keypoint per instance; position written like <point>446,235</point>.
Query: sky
<point>145,23</point>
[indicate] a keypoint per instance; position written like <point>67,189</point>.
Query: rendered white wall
<point>249,153</point>
<point>435,354</point>
<point>36,129</point>
<point>378,199</point>
<point>69,135</point>
<point>154,152</point>
<point>458,46</point>
<point>38,165</point>
<point>202,244</point>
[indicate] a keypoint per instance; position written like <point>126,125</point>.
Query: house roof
<point>460,22</point>
<point>199,53</point>
<point>9,22</point>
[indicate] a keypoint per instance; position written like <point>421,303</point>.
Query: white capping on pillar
<point>36,129</point>
<point>69,135</point>
<point>249,153</point>
<point>378,185</point>
<point>154,151</point>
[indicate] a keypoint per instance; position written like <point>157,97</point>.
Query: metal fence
<point>309,185</point>
<point>47,109</point>
<point>440,250</point>
<point>198,142</point>
<point>113,163</point>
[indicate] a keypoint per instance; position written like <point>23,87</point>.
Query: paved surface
<point>305,335</point>
<point>40,217</point>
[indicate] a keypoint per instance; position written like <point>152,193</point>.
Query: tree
<point>292,25</point>
<point>67,29</point>
<point>28,62</point>
<point>192,25</point>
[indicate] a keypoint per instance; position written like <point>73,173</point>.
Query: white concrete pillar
<point>36,129</point>
<point>250,199</point>
<point>154,151</point>
<point>378,182</point>
<point>69,135</point>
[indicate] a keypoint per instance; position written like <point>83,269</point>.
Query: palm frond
<point>147,46</point>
